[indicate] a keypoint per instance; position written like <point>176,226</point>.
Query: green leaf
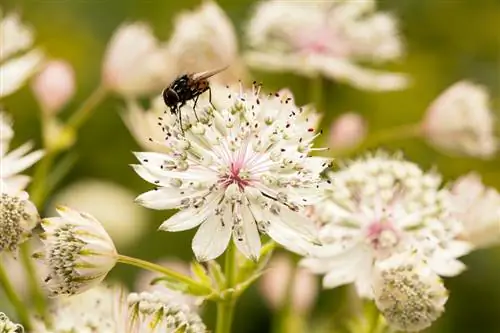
<point>216,273</point>
<point>200,273</point>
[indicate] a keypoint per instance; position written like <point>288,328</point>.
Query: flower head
<point>78,252</point>
<point>408,293</point>
<point>460,121</point>
<point>15,161</point>
<point>478,209</point>
<point>54,86</point>
<point>379,206</point>
<point>241,170</point>
<point>326,37</point>
<point>7,326</point>
<point>18,60</point>
<point>193,47</point>
<point>18,217</point>
<point>135,63</point>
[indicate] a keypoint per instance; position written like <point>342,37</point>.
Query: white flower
<point>478,209</point>
<point>328,38</point>
<point>18,217</point>
<point>15,161</point>
<point>54,86</point>
<point>241,170</point>
<point>125,223</point>
<point>135,63</point>
<point>205,39</point>
<point>273,285</point>
<point>408,293</point>
<point>156,313</point>
<point>18,61</point>
<point>7,326</point>
<point>460,121</point>
<point>347,131</point>
<point>78,252</point>
<point>379,206</point>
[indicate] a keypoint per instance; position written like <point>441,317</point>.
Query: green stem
<point>195,285</point>
<point>21,309</point>
<point>384,136</point>
<point>316,91</point>
<point>225,307</point>
<point>38,191</point>
<point>81,115</point>
<point>35,288</point>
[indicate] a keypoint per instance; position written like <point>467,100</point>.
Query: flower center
<point>382,237</point>
<point>235,176</point>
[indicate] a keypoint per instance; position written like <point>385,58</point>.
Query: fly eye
<point>170,97</point>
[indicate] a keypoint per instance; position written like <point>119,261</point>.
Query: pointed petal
<point>212,238</point>
<point>249,243</point>
<point>166,197</point>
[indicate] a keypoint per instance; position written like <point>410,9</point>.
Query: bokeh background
<point>447,40</point>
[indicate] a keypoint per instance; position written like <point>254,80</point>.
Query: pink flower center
<point>234,177</point>
<point>382,236</point>
<point>322,40</point>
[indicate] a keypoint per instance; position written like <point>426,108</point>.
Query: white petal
<point>16,71</point>
<point>14,163</point>
<point>300,223</point>
<point>212,237</point>
<point>166,197</point>
<point>447,267</point>
<point>17,183</point>
<point>289,238</point>
<point>249,244</point>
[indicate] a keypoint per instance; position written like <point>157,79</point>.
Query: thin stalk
<point>165,271</point>
<point>21,309</point>
<point>83,113</point>
<point>35,288</point>
<point>225,307</point>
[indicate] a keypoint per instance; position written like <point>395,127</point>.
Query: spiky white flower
<point>376,207</point>
<point>478,209</point>
<point>241,170</point>
<point>194,47</point>
<point>15,161</point>
<point>7,326</point>
<point>408,293</point>
<point>460,121</point>
<point>135,63</point>
<point>77,251</point>
<point>18,217</point>
<point>326,38</point>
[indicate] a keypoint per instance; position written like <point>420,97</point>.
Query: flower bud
<point>77,251</point>
<point>347,131</point>
<point>54,86</point>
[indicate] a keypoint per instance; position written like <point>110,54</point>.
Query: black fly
<point>187,87</point>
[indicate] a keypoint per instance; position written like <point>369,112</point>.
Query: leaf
<point>200,273</point>
<point>216,273</point>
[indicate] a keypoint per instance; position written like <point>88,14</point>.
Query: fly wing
<point>205,75</point>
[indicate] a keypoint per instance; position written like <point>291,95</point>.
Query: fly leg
<point>194,107</point>
<point>179,114</point>
<point>210,97</point>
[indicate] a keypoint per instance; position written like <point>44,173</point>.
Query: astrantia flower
<point>379,206</point>
<point>78,252</point>
<point>408,293</point>
<point>18,60</point>
<point>326,38</point>
<point>478,209</point>
<point>460,121</point>
<point>7,326</point>
<point>205,39</point>
<point>241,170</point>
<point>15,161</point>
<point>156,313</point>
<point>135,62</point>
<point>18,217</point>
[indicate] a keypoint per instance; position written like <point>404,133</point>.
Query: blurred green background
<point>447,40</point>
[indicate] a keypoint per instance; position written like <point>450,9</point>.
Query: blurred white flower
<point>144,279</point>
<point>54,86</point>
<point>347,131</point>
<point>18,217</point>
<point>460,121</point>
<point>77,251</point>
<point>273,285</point>
<point>379,206</point>
<point>18,60</point>
<point>158,313</point>
<point>126,222</point>
<point>408,293</point>
<point>205,39</point>
<point>135,63</point>
<point>241,170</point>
<point>478,209</point>
<point>15,161</point>
<point>7,326</point>
<point>326,38</point>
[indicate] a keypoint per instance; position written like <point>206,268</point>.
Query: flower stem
<point>83,113</point>
<point>192,284</point>
<point>21,309</point>
<point>225,307</point>
<point>35,288</point>
<point>316,91</point>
